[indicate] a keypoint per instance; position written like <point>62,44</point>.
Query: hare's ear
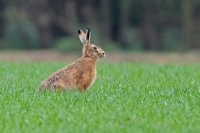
<point>88,33</point>
<point>82,36</point>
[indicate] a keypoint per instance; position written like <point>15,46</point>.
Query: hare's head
<point>89,50</point>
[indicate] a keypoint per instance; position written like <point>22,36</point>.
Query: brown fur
<point>81,74</point>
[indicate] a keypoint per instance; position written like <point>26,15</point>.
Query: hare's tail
<point>42,87</point>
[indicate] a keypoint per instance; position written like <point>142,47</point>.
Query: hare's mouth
<point>103,55</point>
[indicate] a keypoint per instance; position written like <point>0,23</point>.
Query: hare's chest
<point>94,77</point>
<point>89,77</point>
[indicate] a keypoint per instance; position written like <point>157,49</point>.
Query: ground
<point>141,96</point>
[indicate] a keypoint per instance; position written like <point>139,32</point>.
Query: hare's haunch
<point>81,74</point>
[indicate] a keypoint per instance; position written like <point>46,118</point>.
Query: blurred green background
<point>134,25</point>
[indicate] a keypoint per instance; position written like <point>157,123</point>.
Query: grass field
<point>125,98</point>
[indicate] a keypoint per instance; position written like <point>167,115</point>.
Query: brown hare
<point>81,74</point>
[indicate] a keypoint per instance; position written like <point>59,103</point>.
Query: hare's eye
<point>95,48</point>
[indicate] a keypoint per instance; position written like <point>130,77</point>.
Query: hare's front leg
<point>83,87</point>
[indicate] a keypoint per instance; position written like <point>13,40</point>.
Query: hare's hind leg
<point>59,86</point>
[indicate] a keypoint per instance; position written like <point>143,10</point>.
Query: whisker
<point>104,58</point>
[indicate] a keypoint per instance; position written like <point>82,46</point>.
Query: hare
<point>81,74</point>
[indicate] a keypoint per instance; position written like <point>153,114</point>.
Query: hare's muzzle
<point>103,54</point>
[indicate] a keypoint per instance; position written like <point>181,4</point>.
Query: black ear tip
<point>79,31</point>
<point>88,29</point>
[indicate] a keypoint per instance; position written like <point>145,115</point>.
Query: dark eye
<point>95,48</point>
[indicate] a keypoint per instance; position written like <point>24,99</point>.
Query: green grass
<point>125,98</point>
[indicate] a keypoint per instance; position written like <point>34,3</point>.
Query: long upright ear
<point>88,33</point>
<point>82,36</point>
